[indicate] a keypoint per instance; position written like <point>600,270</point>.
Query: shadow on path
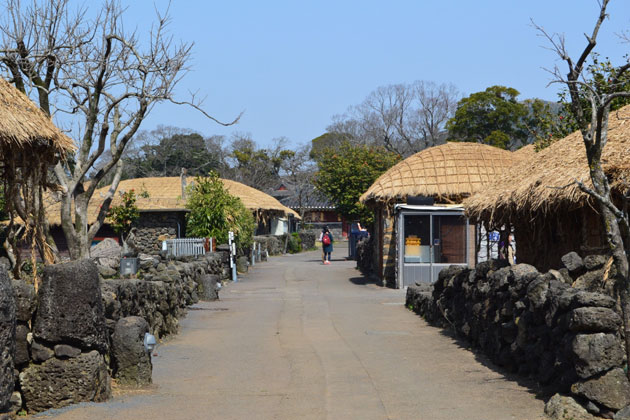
<point>364,281</point>
<point>533,387</point>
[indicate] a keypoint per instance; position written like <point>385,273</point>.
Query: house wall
<point>155,227</point>
<point>470,246</point>
<point>279,226</point>
<point>542,241</point>
<point>387,235</point>
<point>321,216</point>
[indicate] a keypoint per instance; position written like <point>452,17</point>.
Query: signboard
<point>493,236</point>
<point>411,241</point>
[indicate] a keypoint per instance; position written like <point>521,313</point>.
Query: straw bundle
<point>545,182</point>
<point>166,194</point>
<point>24,126</point>
<point>447,172</point>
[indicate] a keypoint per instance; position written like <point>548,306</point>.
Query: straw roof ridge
<point>165,193</point>
<point>23,124</point>
<point>448,171</point>
<point>545,181</point>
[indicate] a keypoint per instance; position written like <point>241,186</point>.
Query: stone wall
<point>557,327</point>
<point>155,227</point>
<point>274,244</point>
<point>63,359</point>
<point>162,290</point>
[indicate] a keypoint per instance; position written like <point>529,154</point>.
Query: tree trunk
<point>615,241</point>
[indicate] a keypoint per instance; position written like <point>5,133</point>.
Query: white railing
<point>187,247</point>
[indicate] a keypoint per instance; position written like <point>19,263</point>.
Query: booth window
<point>417,238</point>
<point>449,239</point>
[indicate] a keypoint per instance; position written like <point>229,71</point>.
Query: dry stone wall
<point>155,227</point>
<point>557,327</point>
<point>7,340</point>
<point>84,316</point>
<point>162,290</point>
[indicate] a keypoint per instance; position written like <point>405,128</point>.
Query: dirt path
<point>295,339</point>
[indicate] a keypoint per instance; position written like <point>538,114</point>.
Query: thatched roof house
<point>29,143</point>
<point>441,176</point>
<point>539,196</point>
<point>25,128</point>
<point>448,173</point>
<point>165,194</point>
<point>162,213</point>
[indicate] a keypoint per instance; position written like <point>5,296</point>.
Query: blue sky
<point>292,65</point>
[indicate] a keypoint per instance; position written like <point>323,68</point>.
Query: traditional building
<point>29,144</point>
<point>420,226</point>
<point>162,206</point>
<point>539,198</point>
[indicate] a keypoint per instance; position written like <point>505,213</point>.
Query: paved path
<point>295,339</point>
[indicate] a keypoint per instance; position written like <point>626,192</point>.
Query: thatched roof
<point>23,125</point>
<point>165,194</point>
<point>544,182</point>
<point>447,172</point>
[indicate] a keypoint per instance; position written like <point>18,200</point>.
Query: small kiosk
<point>419,225</point>
<point>432,238</point>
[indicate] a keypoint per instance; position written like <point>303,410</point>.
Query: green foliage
<point>294,245</point>
<point>492,117</point>
<point>123,215</point>
<point>347,171</point>
<point>214,212</point>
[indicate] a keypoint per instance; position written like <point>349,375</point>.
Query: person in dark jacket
<point>326,239</point>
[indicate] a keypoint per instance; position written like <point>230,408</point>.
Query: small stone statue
<point>129,248</point>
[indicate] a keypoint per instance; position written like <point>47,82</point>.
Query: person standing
<point>326,239</point>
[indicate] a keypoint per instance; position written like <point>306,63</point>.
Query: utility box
<point>128,266</point>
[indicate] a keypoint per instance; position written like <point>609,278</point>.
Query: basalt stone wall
<point>162,289</point>
<point>308,239</point>
<point>7,340</point>
<point>155,227</point>
<point>555,327</point>
<point>274,244</point>
<point>271,245</point>
<point>75,314</point>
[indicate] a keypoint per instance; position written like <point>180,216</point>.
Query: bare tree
<point>590,103</point>
<point>404,118</point>
<point>103,78</point>
<point>299,172</point>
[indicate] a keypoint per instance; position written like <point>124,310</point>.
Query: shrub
<point>295,244</point>
<point>214,212</point>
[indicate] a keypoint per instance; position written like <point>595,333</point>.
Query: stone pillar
<point>69,340</point>
<point>132,363</point>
